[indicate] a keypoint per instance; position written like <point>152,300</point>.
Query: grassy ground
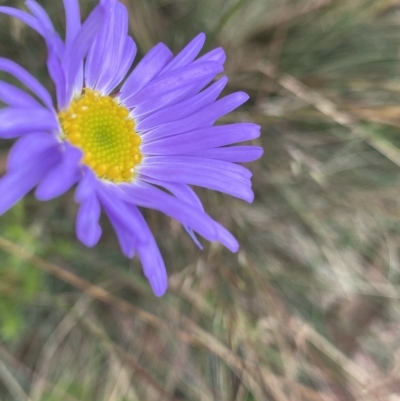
<point>308,310</point>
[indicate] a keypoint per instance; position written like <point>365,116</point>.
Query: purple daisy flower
<point>141,144</point>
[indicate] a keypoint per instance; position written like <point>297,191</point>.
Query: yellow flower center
<point>103,130</point>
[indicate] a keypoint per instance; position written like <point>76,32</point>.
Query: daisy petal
<point>105,56</point>
<point>117,210</point>
<point>73,20</point>
<point>57,74</point>
<point>15,97</point>
<point>27,79</point>
<point>153,266</point>
<point>150,65</point>
<point>27,148</point>
<point>127,241</point>
<point>156,103</point>
<point>213,174</point>
<point>190,216</point>
<point>55,47</point>
<point>87,185</point>
<point>128,55</point>
<point>217,55</point>
<point>23,16</point>
<point>236,154</point>
<point>79,48</point>
<point>62,177</point>
<point>15,122</point>
<point>203,118</point>
<point>88,229</point>
<point>181,191</point>
<point>226,238</point>
<point>152,261</point>
<point>183,109</point>
<point>186,194</point>
<point>186,55</point>
<point>200,139</point>
<point>41,16</point>
<point>17,183</point>
<point>73,25</point>
<point>54,43</point>
<point>176,79</point>
<point>146,195</point>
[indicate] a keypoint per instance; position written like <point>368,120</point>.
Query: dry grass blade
<point>355,372</point>
<point>290,13</point>
<point>74,280</point>
<point>28,374</point>
<point>193,334</point>
<point>127,359</point>
<point>330,109</point>
<point>12,384</point>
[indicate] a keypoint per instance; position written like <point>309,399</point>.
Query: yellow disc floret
<point>104,131</point>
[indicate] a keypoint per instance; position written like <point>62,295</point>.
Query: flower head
<point>141,143</point>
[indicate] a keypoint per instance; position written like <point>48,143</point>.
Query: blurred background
<point>309,308</point>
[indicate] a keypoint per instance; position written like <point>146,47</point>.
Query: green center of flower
<point>103,130</point>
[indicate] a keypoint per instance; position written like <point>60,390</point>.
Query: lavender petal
<point>186,55</point>
<point>236,154</point>
<point>221,176</point>
<point>15,97</point>
<point>183,109</point>
<point>26,149</point>
<point>107,54</point>
<point>28,80</point>
<point>148,68</point>
<point>88,229</point>
<point>17,183</point>
<point>62,177</point>
<point>15,122</point>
